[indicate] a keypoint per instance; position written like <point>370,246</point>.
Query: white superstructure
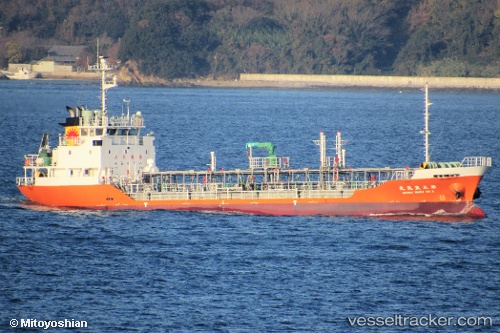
<point>95,148</point>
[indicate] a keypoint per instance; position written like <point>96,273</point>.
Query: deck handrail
<point>472,161</point>
<point>25,181</point>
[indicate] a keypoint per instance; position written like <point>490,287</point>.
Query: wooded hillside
<point>222,38</point>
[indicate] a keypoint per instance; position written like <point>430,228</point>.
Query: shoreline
<point>316,86</point>
<point>293,81</point>
<point>371,81</point>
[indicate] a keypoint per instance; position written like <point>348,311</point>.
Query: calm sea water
<point>197,272</point>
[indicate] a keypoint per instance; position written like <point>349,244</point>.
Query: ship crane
<point>269,161</point>
<point>264,145</point>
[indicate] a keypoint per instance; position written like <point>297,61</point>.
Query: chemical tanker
<point>105,162</point>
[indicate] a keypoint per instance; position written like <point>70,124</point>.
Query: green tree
<point>448,29</point>
<point>170,39</point>
<point>492,50</point>
<point>251,39</point>
<point>175,38</point>
<point>14,54</point>
<point>335,36</point>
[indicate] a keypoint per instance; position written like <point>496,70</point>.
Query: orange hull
<point>398,197</point>
<point>97,150</point>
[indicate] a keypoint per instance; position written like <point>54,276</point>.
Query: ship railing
<point>160,196</point>
<point>341,193</point>
<point>333,162</point>
<point>30,160</point>
<point>94,121</point>
<point>101,66</point>
<point>269,162</point>
<point>353,185</point>
<point>134,187</point>
<point>231,194</point>
<point>473,161</point>
<point>25,181</point>
<point>401,174</point>
<point>223,194</point>
<point>219,191</point>
<point>118,121</point>
<point>341,185</point>
<point>130,187</point>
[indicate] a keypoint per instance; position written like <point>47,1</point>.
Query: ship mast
<point>426,132</point>
<point>103,66</point>
<point>323,159</point>
<point>340,160</point>
<point>105,85</point>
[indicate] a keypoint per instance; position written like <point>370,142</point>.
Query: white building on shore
<point>61,59</point>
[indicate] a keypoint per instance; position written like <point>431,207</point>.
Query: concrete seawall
<point>374,81</point>
<point>71,76</point>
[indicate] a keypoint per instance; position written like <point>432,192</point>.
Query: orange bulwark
<point>406,197</point>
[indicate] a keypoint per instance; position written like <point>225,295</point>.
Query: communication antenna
<point>127,101</point>
<point>97,54</point>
